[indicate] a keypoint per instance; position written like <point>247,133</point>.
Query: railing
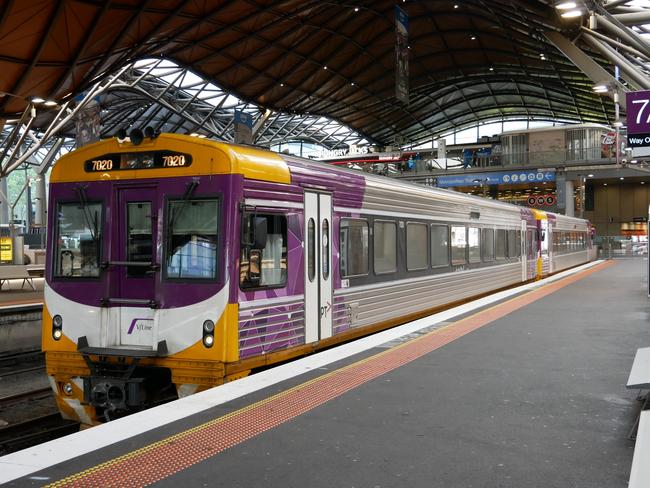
<point>612,247</point>
<point>493,161</point>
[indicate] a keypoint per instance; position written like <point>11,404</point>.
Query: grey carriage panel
<point>564,261</point>
<point>387,301</point>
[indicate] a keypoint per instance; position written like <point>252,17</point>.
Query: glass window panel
<point>354,247</point>
<point>417,249</point>
<point>501,244</point>
<point>512,244</point>
<point>385,247</point>
<point>79,239</point>
<point>273,271</point>
<point>474,241</point>
<point>325,244</point>
<point>458,245</point>
<point>192,239</point>
<point>139,238</point>
<point>311,246</point>
<point>488,244</point>
<point>439,245</point>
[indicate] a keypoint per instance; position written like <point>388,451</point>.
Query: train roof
<point>208,157</point>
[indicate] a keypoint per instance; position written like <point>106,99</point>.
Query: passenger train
<point>179,263</point>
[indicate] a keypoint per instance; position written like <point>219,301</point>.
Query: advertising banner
<point>243,128</point>
<point>402,55</point>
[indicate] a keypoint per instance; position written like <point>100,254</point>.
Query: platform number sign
<point>638,118</point>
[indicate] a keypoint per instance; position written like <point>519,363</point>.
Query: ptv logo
<point>142,324</point>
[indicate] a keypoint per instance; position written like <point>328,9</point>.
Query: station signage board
<point>496,178</point>
<point>638,118</point>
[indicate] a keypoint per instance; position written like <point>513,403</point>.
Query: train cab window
<point>78,241</point>
<point>458,245</point>
<point>385,247</point>
<point>353,247</point>
<point>263,260</point>
<point>512,244</point>
<point>439,245</point>
<point>417,246</point>
<point>501,244</point>
<point>488,245</point>
<point>191,251</point>
<point>474,242</point>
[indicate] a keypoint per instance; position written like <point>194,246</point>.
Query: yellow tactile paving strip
<point>176,453</point>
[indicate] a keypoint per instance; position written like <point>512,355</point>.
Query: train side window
<point>488,245</point>
<point>501,244</point>
<point>263,260</point>
<point>458,245</point>
<point>518,243</point>
<point>353,247</point>
<point>385,247</point>
<point>192,227</point>
<point>417,252</point>
<point>439,245</point>
<point>512,244</point>
<point>311,246</point>
<point>474,242</point>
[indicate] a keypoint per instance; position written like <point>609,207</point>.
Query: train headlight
<point>57,327</point>
<point>67,389</point>
<point>208,326</point>
<point>208,340</point>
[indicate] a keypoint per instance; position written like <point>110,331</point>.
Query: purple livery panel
<point>168,293</point>
<point>264,329</point>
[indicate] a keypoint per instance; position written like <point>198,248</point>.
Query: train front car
<point>142,250</point>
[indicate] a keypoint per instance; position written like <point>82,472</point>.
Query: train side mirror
<point>259,240</point>
<point>254,266</point>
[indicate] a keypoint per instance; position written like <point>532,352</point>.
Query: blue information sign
<point>498,178</point>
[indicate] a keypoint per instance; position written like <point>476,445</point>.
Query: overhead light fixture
<point>473,38</point>
<point>564,5</point>
<point>50,103</point>
<point>590,175</point>
<point>38,100</point>
<point>356,9</point>
<point>601,88</point>
<point>621,178</point>
<point>569,14</point>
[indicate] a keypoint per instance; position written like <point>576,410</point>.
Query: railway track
<point>36,394</point>
<point>35,431</point>
<point>21,362</point>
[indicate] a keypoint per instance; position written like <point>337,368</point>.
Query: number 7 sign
<point>638,112</point>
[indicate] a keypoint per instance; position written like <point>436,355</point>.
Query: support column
<point>40,203</point>
<point>4,201</point>
<point>569,201</point>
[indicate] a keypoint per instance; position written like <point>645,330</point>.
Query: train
<point>177,263</point>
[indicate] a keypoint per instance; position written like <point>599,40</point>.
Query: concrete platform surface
<point>531,393</point>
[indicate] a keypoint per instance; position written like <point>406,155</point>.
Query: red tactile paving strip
<point>168,456</point>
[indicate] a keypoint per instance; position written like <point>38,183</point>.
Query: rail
<point>35,431</point>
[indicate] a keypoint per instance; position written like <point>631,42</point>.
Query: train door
<point>134,266</point>
<point>318,262</point>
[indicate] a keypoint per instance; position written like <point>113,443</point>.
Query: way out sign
<point>638,118</point>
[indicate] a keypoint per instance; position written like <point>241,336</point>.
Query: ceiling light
<point>590,176</point>
<point>621,178</point>
<point>281,84</point>
<point>37,100</point>
<point>491,68</point>
<point>356,9</point>
<point>604,184</point>
<point>563,5</point>
<point>643,182</point>
<point>324,67</point>
<point>473,38</point>
<point>50,103</point>
<point>572,13</point>
<point>456,6</point>
<point>600,88</point>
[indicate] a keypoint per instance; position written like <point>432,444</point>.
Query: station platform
<point>526,388</point>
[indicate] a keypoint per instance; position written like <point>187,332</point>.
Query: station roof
<point>470,60</point>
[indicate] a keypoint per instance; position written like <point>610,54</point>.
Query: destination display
<point>138,160</point>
